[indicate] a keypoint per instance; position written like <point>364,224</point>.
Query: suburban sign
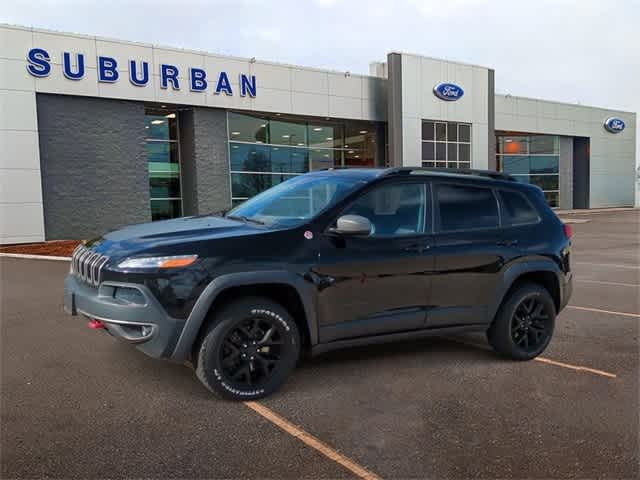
<point>108,71</point>
<point>614,125</point>
<point>448,91</point>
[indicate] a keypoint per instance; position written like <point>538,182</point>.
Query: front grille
<point>87,265</point>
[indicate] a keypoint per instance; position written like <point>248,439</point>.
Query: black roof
<point>371,173</point>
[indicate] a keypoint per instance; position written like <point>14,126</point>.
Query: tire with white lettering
<point>249,349</point>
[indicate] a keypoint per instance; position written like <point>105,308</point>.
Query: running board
<point>395,337</point>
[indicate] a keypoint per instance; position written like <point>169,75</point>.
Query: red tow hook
<point>95,324</point>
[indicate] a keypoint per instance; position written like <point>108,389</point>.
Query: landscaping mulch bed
<point>55,248</point>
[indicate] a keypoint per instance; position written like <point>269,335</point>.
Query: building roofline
<point>558,102</point>
<point>184,50</point>
<point>441,59</point>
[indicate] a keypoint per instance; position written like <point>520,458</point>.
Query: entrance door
<point>379,283</point>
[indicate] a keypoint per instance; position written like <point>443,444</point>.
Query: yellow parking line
<point>614,265</point>
<point>602,282</point>
<point>311,441</point>
<point>575,367</point>
<point>597,310</point>
<point>548,361</point>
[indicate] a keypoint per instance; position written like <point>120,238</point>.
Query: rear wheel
<point>524,324</point>
<point>249,349</point>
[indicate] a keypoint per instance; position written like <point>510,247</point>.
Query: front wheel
<point>249,349</point>
<point>524,324</point>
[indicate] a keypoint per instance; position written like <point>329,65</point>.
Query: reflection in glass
<point>276,144</point>
<point>287,133</point>
<point>162,152</point>
<point>246,128</point>
<point>247,185</point>
<point>161,130</point>
<point>165,209</point>
<point>161,126</point>
<point>441,132</point>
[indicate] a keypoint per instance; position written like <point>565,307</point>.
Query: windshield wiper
<point>245,219</point>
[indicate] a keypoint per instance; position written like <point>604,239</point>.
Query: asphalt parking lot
<point>77,403</point>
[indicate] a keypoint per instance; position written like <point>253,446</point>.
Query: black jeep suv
<point>328,260</point>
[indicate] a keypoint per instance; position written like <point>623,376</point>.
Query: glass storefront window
<point>163,157</point>
<point>532,159</point>
<point>288,133</point>
<point>326,136</point>
<point>165,209</point>
<point>245,128</point>
<point>452,145</point>
<point>163,126</point>
<point>265,150</point>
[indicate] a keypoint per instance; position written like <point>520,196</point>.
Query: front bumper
<point>136,317</point>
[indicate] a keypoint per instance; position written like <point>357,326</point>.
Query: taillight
<point>568,230</point>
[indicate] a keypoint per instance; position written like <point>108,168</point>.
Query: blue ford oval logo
<point>614,125</point>
<point>448,91</point>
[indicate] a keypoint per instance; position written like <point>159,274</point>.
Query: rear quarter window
<point>517,209</point>
<point>466,207</point>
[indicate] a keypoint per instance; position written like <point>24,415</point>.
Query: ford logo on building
<point>614,125</point>
<point>448,91</point>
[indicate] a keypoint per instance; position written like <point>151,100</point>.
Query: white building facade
<point>97,133</point>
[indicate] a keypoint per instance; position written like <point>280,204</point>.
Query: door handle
<point>417,248</point>
<point>507,243</point>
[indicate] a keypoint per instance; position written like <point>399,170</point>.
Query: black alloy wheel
<point>530,326</point>
<point>252,351</point>
<point>524,323</point>
<point>248,350</point>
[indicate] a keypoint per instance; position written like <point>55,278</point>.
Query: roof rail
<point>459,171</point>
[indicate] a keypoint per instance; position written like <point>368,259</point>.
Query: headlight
<point>175,261</point>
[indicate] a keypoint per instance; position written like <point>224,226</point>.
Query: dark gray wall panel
<point>394,106</point>
<point>187,163</point>
<point>211,160</point>
<point>491,105</point>
<point>94,166</point>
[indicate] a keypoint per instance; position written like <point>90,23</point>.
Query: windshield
<point>292,202</point>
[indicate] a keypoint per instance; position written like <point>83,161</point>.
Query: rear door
<point>469,253</point>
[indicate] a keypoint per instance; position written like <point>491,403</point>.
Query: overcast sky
<point>583,51</point>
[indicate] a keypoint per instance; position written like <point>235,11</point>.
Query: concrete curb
<point>34,257</point>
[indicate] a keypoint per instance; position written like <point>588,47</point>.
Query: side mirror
<point>353,225</point>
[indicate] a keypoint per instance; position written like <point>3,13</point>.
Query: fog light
<point>146,331</point>
<point>129,295</point>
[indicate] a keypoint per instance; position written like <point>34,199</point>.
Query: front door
<point>379,283</point>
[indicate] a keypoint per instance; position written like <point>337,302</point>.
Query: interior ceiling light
<point>329,138</point>
<point>170,115</point>
<point>317,129</point>
<point>363,131</point>
<point>301,144</point>
<point>350,151</point>
<point>156,122</point>
<point>235,133</point>
<point>285,136</point>
<point>263,125</point>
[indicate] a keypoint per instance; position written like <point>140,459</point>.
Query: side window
<point>517,209</point>
<point>466,207</point>
<point>393,209</point>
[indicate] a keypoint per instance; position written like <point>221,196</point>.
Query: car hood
<point>150,236</point>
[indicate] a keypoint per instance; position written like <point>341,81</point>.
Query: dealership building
<point>97,133</point>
